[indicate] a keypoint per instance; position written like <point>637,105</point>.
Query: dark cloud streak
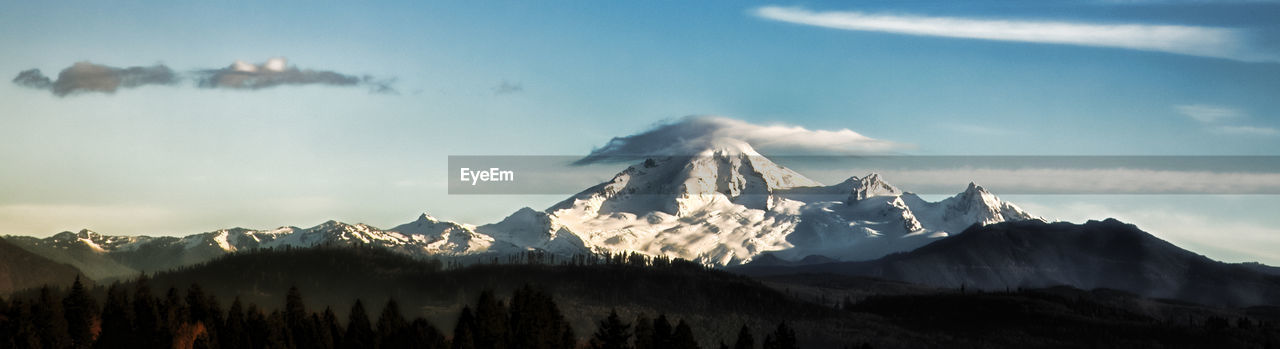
<point>275,72</point>
<point>506,88</point>
<point>90,77</point>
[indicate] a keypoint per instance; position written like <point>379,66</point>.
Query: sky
<point>165,118</point>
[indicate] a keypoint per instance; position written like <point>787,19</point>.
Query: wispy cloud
<point>691,134</point>
<point>975,129</point>
<point>1214,116</point>
<point>1179,39</point>
<point>1247,130</point>
<point>84,77</point>
<point>1207,113</point>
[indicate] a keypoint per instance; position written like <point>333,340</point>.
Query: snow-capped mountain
<point>722,206</point>
<point>729,204</point>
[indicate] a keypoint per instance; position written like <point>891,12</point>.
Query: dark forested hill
<point>20,269</point>
<point>1098,254</point>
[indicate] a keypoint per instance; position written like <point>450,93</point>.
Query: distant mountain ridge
<point>1097,254</point>
<point>723,206</point>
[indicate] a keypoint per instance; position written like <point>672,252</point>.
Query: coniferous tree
<point>80,311</point>
<point>146,316</point>
<point>330,321</point>
<point>6,325</point>
<point>464,331</point>
<point>490,328</point>
<point>204,312</point>
<point>568,339</point>
<point>257,328</point>
<point>322,336</point>
<point>661,332</point>
<point>51,326</point>
<point>782,338</point>
<point>234,333</point>
<point>537,323</point>
<point>421,334</point>
<point>174,315</point>
<point>25,334</point>
<point>117,321</point>
<point>745,340</point>
<point>277,332</point>
<point>391,327</point>
<point>300,332</point>
<point>359,332</point>
<point>612,333</point>
<point>683,337</point>
<point>644,332</point>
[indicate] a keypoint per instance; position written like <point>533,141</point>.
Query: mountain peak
<point>978,205</point>
<point>869,186</point>
<point>427,218</point>
<point>975,188</point>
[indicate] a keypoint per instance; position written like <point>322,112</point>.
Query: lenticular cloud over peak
<point>691,135</point>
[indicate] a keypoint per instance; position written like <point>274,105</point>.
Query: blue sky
<point>177,158</point>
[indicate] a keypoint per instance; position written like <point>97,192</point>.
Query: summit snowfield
<point>725,205</point>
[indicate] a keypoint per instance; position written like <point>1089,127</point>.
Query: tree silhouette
<point>745,340</point>
<point>644,332</point>
<point>611,333</point>
<point>782,338</point>
<point>50,325</point>
<point>537,323</point>
<point>683,337</point>
<point>80,311</point>
<point>233,333</point>
<point>421,334</point>
<point>661,332</point>
<point>391,327</point>
<point>117,320</point>
<point>491,323</point>
<point>332,329</point>
<point>464,331</point>
<point>359,331</point>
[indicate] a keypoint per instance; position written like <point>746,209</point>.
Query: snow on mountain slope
<point>728,204</point>
<point>724,205</point>
<point>444,237</point>
<point>527,229</point>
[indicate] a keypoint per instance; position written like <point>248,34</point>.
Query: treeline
<point>135,317</point>
<point>339,275</point>
<point>613,333</point>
